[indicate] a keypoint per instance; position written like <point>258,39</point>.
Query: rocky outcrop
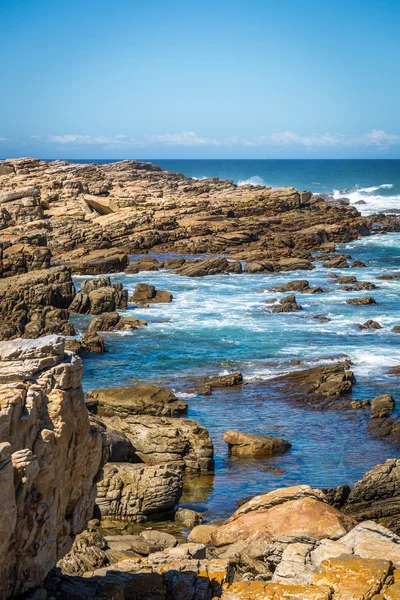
<point>135,400</point>
<point>318,387</point>
<point>162,440</point>
<point>97,262</point>
<point>137,492</point>
<point>361,301</point>
<point>210,266</point>
<point>36,303</point>
<point>98,296</point>
<point>114,322</point>
<point>50,459</point>
<point>145,294</point>
<point>255,446</point>
<point>370,324</point>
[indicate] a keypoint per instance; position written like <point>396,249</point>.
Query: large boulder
<point>209,266</point>
<point>50,459</point>
<point>98,296</point>
<point>135,400</point>
<point>114,322</point>
<point>161,440</point>
<point>287,304</point>
<point>99,262</point>
<point>292,514</point>
<point>255,446</point>
<point>146,294</point>
<point>137,492</point>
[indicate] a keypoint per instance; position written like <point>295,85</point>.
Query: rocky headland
<point>90,486</point>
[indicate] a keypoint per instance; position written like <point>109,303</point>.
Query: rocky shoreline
<point>91,485</point>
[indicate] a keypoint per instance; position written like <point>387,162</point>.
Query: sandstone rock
<point>295,566</point>
<point>98,296</point>
<point>287,304</point>
<point>156,440</point>
<point>114,322</point>
<point>50,457</point>
<point>93,343</point>
<point>201,534</point>
<point>188,518</point>
<point>99,262</point>
<point>209,266</point>
<point>358,264</point>
<point>298,285</point>
<point>294,520</point>
<point>256,446</point>
<point>377,496</point>
<point>359,286</point>
<point>361,301</point>
<point>348,279</point>
<point>389,277</point>
<point>135,492</point>
<point>337,262</point>
<point>382,406</point>
<point>145,294</point>
<point>143,264</point>
<point>88,553</point>
<point>134,400</point>
<point>258,590</point>
<point>102,206</point>
<point>224,381</point>
<point>35,303</point>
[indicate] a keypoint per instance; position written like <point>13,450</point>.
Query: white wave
<point>200,178</point>
<point>184,395</point>
<point>255,180</point>
<point>374,202</point>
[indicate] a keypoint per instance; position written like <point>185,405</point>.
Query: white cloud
<point>185,138</point>
<point>78,139</point>
<point>3,139</point>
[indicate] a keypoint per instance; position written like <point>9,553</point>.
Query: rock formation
<point>50,459</point>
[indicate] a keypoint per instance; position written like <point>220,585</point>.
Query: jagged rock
<point>50,459</point>
<point>98,296</point>
<point>102,206</point>
<point>336,262</point>
<point>359,286</point>
<point>135,400</point>
<point>136,492</point>
<point>114,322</point>
<point>377,496</point>
<point>389,277</point>
<point>224,381</point>
<point>167,440</point>
<point>287,304</point>
<point>93,343</point>
<point>298,285</point>
<point>35,303</point>
<point>99,262</point>
<point>358,264</point>
<point>382,406</point>
<point>88,553</point>
<point>347,279</point>
<point>145,294</point>
<point>256,446</point>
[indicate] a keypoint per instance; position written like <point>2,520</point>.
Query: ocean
<point>221,324</point>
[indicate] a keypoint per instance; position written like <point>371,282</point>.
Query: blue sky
<point>200,78</point>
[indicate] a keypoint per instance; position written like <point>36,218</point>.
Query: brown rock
<point>147,294</point>
<point>256,446</point>
<point>287,304</point>
<point>114,322</point>
<point>382,406</point>
<point>361,301</point>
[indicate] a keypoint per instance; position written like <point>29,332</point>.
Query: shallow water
<point>219,324</point>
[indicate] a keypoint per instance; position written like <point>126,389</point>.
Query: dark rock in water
<point>92,342</point>
<point>114,322</point>
<point>337,262</point>
<point>223,381</point>
<point>259,267</point>
<point>370,324</point>
<point>254,446</point>
<point>361,301</point>
<point>145,294</point>
<point>134,400</point>
<point>396,329</point>
<point>143,264</point>
<point>287,304</point>
<point>346,279</point>
<point>360,285</point>
<point>318,387</point>
<point>377,496</point>
<point>394,371</point>
<point>298,285</point>
<point>389,277</point>
<point>382,406</point>
<point>173,263</point>
<point>358,264</point>
<point>360,202</point>
<point>321,318</point>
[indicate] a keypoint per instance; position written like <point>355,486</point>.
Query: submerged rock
<point>256,446</point>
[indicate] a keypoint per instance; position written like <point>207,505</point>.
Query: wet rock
<point>99,296</point>
<point>93,343</point>
<point>145,294</point>
<point>114,322</point>
<point>287,304</point>
<point>258,267</point>
<point>256,446</point>
<point>223,381</point>
<point>321,318</point>
<point>134,400</point>
<point>209,266</point>
<point>370,324</point>
<point>389,277</point>
<point>346,279</point>
<point>361,301</point>
<point>396,329</point>
<point>382,406</point>
<point>358,264</point>
<point>135,492</point>
<point>298,285</point>
<point>359,286</point>
<point>336,262</point>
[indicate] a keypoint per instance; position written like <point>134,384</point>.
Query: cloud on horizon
<point>376,139</point>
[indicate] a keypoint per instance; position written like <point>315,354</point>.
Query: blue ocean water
<point>220,324</point>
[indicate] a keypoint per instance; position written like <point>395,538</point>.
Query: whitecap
<point>255,180</point>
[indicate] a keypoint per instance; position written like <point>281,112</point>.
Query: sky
<point>200,78</point>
